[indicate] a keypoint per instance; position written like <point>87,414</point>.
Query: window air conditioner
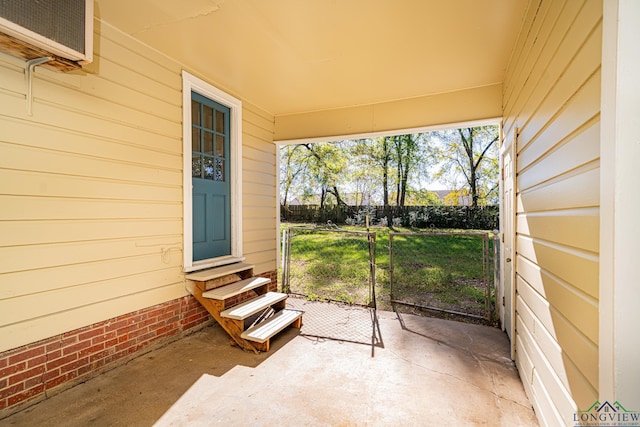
<point>62,28</point>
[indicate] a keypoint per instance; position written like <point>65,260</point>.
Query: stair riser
<point>241,279</point>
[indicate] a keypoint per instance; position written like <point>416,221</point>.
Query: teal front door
<point>210,173</point>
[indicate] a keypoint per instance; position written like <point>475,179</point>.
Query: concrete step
<point>236,288</point>
<point>262,332</point>
<point>251,307</point>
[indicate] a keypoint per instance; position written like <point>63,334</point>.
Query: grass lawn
<point>440,271</point>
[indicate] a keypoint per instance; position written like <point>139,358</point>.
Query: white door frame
<point>507,237</point>
<point>192,83</point>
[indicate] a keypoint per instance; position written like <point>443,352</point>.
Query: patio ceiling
<point>293,56</point>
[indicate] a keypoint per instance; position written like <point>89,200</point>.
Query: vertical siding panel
<point>552,95</point>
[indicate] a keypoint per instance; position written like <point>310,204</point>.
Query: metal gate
<point>330,265</point>
<point>331,275</point>
<point>451,273</point>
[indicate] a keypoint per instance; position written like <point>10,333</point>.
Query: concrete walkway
<point>415,372</point>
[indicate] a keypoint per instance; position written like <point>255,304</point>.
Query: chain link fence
<point>451,273</point>
<point>330,265</point>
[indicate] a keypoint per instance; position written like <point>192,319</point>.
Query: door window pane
<point>209,168</point>
<point>196,166</point>
<point>195,112</point>
<point>219,173</point>
<point>195,139</point>
<point>207,120</point>
<point>220,122</point>
<point>208,143</point>
<point>219,145</point>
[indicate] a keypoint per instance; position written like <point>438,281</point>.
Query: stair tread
<point>246,309</point>
<point>267,329</point>
<point>235,288</point>
<point>214,273</point>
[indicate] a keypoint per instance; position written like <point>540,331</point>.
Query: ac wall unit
<point>63,28</point>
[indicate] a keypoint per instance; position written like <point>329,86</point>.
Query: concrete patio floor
<point>416,371</point>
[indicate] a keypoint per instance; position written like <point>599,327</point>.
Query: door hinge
<point>503,301</point>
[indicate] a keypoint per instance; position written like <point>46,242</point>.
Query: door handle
<point>508,260</point>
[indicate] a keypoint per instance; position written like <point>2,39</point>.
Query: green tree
<point>291,169</point>
<point>377,154</point>
<point>407,158</point>
<point>470,153</point>
<point>326,163</point>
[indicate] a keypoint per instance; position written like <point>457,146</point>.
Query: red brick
<point>27,394</point>
<point>10,391</point>
<point>69,340</point>
<point>126,330</point>
<point>167,330</point>
<point>10,370</point>
<point>3,383</point>
<point>4,362</point>
<point>100,355</point>
<point>135,319</point>
<point>54,355</point>
<point>3,403</point>
<point>84,369</point>
<point>52,364</point>
<point>33,381</point>
<point>76,347</point>
<point>173,320</point>
<point>146,337</point>
<point>25,375</point>
<point>90,350</point>
<point>168,312</point>
<point>188,326</point>
<point>137,333</point>
<point>48,375</point>
<point>27,354</point>
<point>103,337</point>
<point>111,343</point>
<point>97,364</point>
<point>156,312</point>
<point>74,365</point>
<point>90,334</point>
<point>123,345</point>
<point>36,361</point>
<point>60,379</point>
<point>115,325</point>
<point>52,346</point>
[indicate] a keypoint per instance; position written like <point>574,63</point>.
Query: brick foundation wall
<point>36,371</point>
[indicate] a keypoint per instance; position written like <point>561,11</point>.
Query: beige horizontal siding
<point>91,190</point>
<point>555,257</point>
<point>552,97</point>
<point>259,188</point>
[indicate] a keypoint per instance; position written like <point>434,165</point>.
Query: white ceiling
<point>293,56</point>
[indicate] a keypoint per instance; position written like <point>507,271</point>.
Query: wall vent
<point>63,28</point>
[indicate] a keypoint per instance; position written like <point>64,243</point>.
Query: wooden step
<point>236,288</point>
<point>251,307</point>
<point>214,273</point>
<point>262,332</point>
